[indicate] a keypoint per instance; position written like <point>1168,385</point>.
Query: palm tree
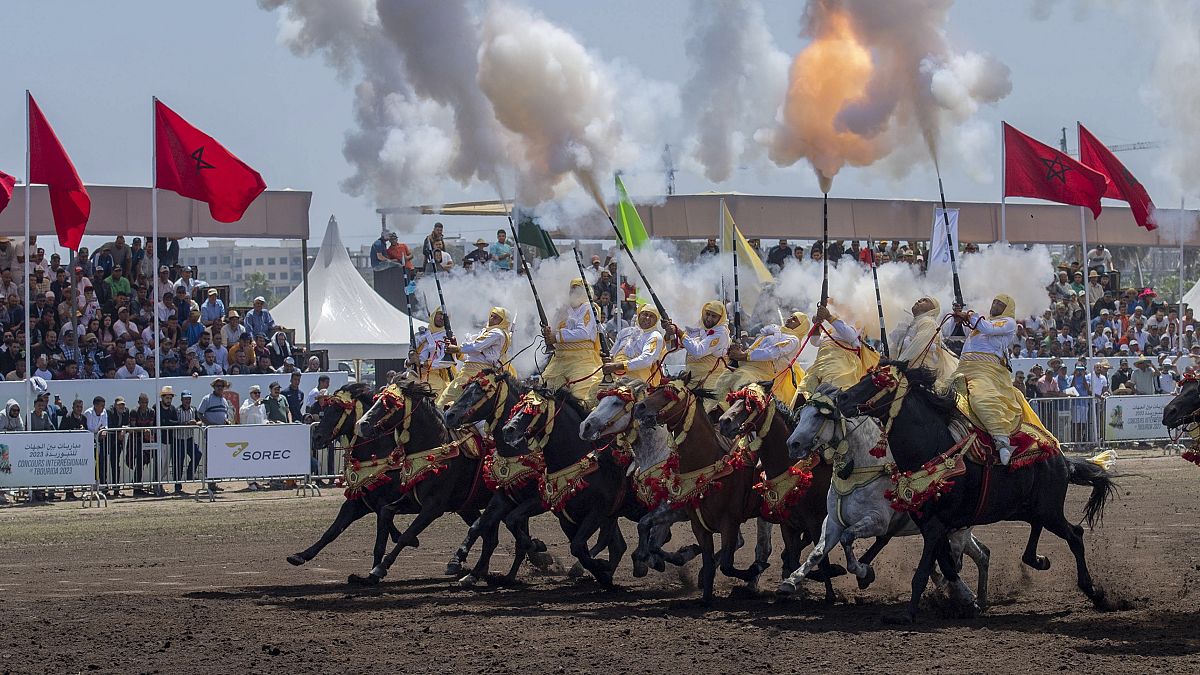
<point>254,285</point>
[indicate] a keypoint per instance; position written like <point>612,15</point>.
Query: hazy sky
<point>93,67</point>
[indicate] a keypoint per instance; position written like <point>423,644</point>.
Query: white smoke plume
<point>1025,276</point>
<point>1173,91</point>
<point>738,81</point>
<point>449,90</point>
<point>878,77</point>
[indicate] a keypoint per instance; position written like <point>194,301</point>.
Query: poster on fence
<point>47,459</point>
<point>1134,418</point>
<point>258,451</point>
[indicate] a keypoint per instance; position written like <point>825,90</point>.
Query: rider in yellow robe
<point>576,342</point>
<point>488,349</point>
<point>639,348</point>
<point>842,357</point>
<point>771,357</point>
<point>706,347</point>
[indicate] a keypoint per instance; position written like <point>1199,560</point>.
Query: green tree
<point>254,285</point>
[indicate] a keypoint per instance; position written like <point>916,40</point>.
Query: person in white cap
<point>259,319</point>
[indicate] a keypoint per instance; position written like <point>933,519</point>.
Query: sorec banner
<point>47,459</point>
<point>1135,418</point>
<point>257,451</point>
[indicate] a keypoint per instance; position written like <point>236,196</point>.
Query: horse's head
<point>817,424</point>
<point>613,413</point>
<point>482,398</point>
<point>533,414</point>
<point>747,408</point>
<point>875,393</point>
<point>340,413</point>
<point>385,413</point>
<point>1185,407</point>
<point>663,402</point>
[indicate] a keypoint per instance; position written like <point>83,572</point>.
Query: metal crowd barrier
<point>146,458</point>
<point>1074,420</point>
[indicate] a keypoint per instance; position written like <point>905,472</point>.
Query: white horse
<point>857,506</point>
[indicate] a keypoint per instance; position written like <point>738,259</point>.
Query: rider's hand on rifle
<point>823,314</point>
<point>614,368</point>
<point>453,349</point>
<point>548,335</point>
<point>738,353</point>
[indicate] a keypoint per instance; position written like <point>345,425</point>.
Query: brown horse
<point>713,481</point>
<point>792,493</point>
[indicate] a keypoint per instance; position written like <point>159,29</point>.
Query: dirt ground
<point>174,585</point>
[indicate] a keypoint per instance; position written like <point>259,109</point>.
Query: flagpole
<point>154,237</point>
<point>1179,331</point>
<point>28,191</point>
<point>1003,185</point>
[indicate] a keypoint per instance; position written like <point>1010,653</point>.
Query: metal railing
<point>1074,420</point>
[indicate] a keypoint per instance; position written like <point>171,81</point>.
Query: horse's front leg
<point>350,511</point>
<point>831,532</point>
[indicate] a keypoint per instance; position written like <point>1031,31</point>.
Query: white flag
<point>939,254</point>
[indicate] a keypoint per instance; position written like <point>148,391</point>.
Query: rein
<point>687,414</point>
<point>538,407</point>
<point>761,409</point>
<point>494,387</point>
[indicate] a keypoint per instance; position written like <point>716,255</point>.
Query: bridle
<point>760,414</point>
<point>681,398</point>
<point>395,400</point>
<point>887,379</point>
<point>350,406</point>
<point>835,449</point>
<point>495,388</point>
<point>626,394</point>
<point>538,407</point>
<point>1190,423</point>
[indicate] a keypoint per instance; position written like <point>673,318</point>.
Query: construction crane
<point>1123,147</point>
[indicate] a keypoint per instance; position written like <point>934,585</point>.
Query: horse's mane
<point>922,382</point>
<point>356,389</point>
<point>564,396</point>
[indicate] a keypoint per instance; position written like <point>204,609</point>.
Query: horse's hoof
<point>357,580</point>
<point>867,579</point>
<point>1040,562</point>
<point>830,599</point>
<point>453,568</point>
<point>542,560</point>
<point>659,564</point>
<point>577,571</point>
<point>296,559</point>
<point>785,589</point>
<point>468,581</point>
<point>640,569</point>
<point>539,546</point>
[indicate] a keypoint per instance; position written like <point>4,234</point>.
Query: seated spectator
<point>233,329</point>
<point>131,370</point>
<point>187,282</point>
<point>212,308</point>
<point>259,319</point>
<point>280,349</point>
<point>210,365</point>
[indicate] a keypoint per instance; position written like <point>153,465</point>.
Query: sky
<point>93,68</point>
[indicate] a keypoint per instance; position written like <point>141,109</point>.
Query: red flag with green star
<point>1034,169</point>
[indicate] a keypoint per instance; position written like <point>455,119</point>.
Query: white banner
<point>1135,418</point>
<point>939,254</point>
<point>47,459</point>
<point>258,450</point>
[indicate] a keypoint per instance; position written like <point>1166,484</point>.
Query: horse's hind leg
<point>616,546</point>
<point>1073,534</point>
<point>762,547</point>
<point>831,532</point>
<point>487,526</point>
<point>1031,557</point>
<point>980,554</point>
<point>590,524</point>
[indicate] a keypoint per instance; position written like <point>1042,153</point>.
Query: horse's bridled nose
<point>639,410</point>
<point>510,435</point>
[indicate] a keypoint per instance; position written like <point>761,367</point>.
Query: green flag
<point>632,229</point>
<point>532,234</point>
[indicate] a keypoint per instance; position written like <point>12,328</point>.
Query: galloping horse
<point>919,422</point>
<point>712,481</point>
<point>792,493</point>
<point>430,481</point>
<point>857,501</point>
<point>1183,414</point>
<point>651,449</point>
<point>510,472</point>
<point>583,483</point>
<point>339,414</point>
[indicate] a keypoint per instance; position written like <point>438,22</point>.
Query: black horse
<point>593,493</point>
<point>339,415</point>
<point>455,486</point>
<point>487,398</point>
<point>920,432</point>
<point>1184,410</point>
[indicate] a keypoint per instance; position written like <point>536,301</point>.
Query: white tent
<point>348,318</point>
<point>1192,297</point>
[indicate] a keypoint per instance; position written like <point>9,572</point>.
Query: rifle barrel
<point>825,249</point>
<point>600,336</point>
<point>958,296</point>
<point>662,310</point>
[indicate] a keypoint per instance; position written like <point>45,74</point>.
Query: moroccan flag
<point>1034,169</point>
<point>6,187</point>
<point>195,165</point>
<point>632,229</point>
<point>1121,184</point>
<point>50,165</point>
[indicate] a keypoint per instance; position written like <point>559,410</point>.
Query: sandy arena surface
<point>178,586</point>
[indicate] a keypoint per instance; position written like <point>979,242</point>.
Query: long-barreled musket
<point>879,302</point>
<point>445,312</point>
<point>958,296</point>
<point>537,300</point>
<point>605,353</point>
<point>737,298</point>
<point>662,310</point>
<point>825,249</point>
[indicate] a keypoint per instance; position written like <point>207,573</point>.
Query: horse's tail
<point>1087,472</point>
